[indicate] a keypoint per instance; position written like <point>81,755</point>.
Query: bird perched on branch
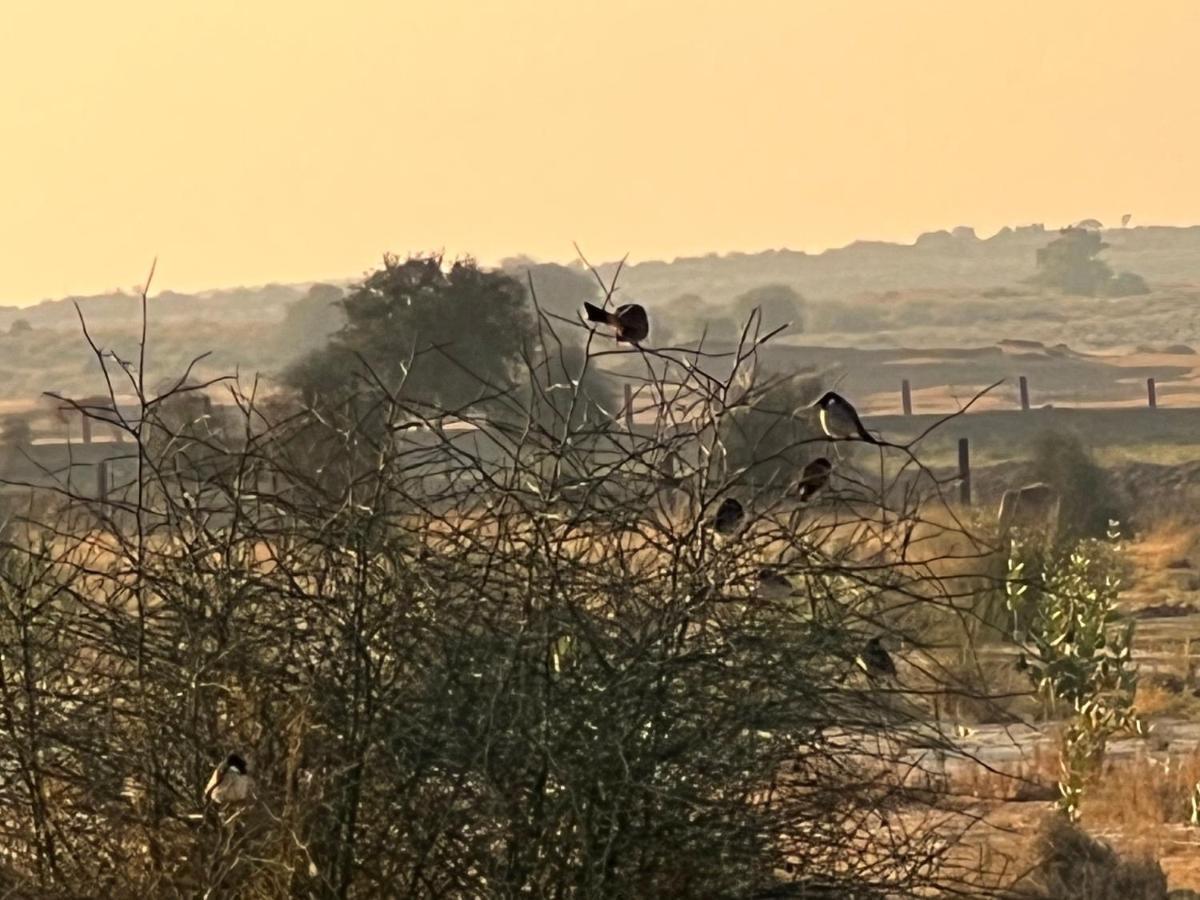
<point>772,585</point>
<point>876,661</point>
<point>729,516</point>
<point>840,421</point>
<point>630,321</point>
<point>813,478</point>
<point>229,782</point>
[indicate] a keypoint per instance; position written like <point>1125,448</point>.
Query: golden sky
<point>246,141</point>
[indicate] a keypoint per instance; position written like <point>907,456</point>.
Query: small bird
<point>814,477</point>
<point>729,516</point>
<point>772,585</point>
<point>839,420</point>
<point>876,661</point>
<point>229,782</point>
<point>629,320</point>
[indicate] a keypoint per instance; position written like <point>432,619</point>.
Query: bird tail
<point>596,314</point>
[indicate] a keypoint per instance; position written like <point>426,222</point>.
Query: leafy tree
<point>466,325</point>
<point>1069,263</point>
<point>309,321</point>
<point>779,303</point>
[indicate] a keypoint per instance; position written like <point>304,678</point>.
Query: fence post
<point>964,471</point>
<point>87,427</point>
<point>1023,382</point>
<point>1151,393</point>
<point>629,407</point>
<point>906,397</point>
<point>102,480</point>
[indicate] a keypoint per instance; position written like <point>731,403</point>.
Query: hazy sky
<point>245,141</point>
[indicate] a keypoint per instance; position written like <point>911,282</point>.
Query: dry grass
<point>1144,793</point>
<point>1165,698</point>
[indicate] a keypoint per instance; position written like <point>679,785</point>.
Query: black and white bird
<point>876,661</point>
<point>729,516</point>
<point>630,321</point>
<point>813,478</point>
<point>229,782</point>
<point>772,585</point>
<point>840,421</point>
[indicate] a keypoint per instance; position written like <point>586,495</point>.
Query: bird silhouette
<point>840,421</point>
<point>729,516</point>
<point>876,661</point>
<point>814,477</point>
<point>630,321</point>
<point>772,585</point>
<point>229,782</point>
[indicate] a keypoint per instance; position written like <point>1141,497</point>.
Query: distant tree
<point>15,431</point>
<point>1088,500</point>
<point>571,387</point>
<point>779,303</point>
<point>20,326</point>
<point>309,321</point>
<point>560,289</point>
<point>769,437</point>
<point>462,328</point>
<point>1069,263</point>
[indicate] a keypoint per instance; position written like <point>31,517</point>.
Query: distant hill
<point>957,259</point>
<point>948,288</point>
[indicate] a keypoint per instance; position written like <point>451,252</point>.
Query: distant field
<point>1135,434</point>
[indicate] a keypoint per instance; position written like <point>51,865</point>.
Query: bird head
<point>827,398</point>
<point>235,762</point>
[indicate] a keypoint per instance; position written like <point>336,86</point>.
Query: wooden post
<point>906,397</point>
<point>1024,385</point>
<point>629,408</point>
<point>1151,394</point>
<point>964,471</point>
<point>87,427</point>
<point>102,480</point>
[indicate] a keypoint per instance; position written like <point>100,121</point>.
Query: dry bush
<point>507,660</point>
<point>1070,865</point>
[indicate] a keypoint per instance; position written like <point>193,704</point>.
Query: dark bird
<point>876,661</point>
<point>729,516</point>
<point>772,585</point>
<point>839,420</point>
<point>229,782</point>
<point>629,320</point>
<point>814,477</point>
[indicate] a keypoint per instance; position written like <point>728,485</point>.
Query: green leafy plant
<point>1075,650</point>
